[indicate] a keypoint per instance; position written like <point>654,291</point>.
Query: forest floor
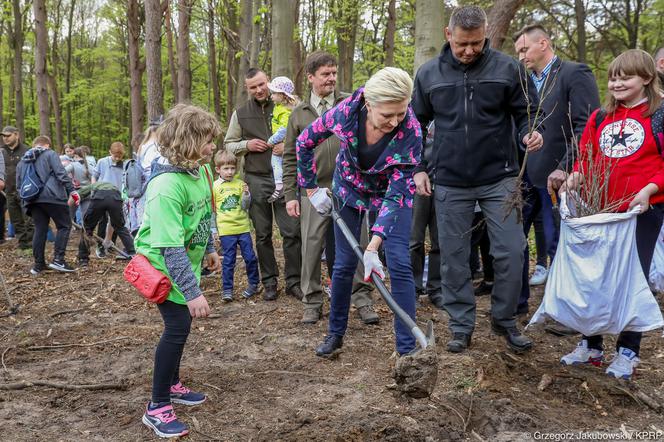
<point>257,365</point>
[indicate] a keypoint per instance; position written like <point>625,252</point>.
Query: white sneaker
<point>583,355</point>
<point>539,276</point>
<point>623,364</point>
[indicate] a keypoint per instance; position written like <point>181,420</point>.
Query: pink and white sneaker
<point>163,421</point>
<point>182,395</point>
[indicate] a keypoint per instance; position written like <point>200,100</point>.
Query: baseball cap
<point>9,130</point>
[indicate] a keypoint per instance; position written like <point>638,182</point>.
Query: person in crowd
<point>424,218</point>
<point>659,63</point>
<point>50,204</point>
<point>232,198</point>
<point>248,132</point>
<point>80,173</point>
<point>625,151</point>
<point>68,151</point>
<point>3,200</point>
<point>92,161</point>
<point>282,91</point>
<point>473,93</point>
<point>175,237</point>
<point>380,145</point>
<point>103,200</point>
<point>12,151</point>
<point>568,94</point>
<point>109,169</point>
<point>317,230</point>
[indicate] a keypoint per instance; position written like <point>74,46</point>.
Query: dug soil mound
<point>77,362</point>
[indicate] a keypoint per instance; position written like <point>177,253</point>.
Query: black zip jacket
<point>473,107</point>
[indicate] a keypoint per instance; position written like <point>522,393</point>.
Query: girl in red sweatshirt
<point>623,147</point>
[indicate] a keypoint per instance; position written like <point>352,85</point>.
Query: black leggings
<point>177,323</point>
<point>648,225</point>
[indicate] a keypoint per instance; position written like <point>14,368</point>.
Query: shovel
<point>424,340</point>
<point>98,238</point>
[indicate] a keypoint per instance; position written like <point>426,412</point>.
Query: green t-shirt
<point>178,213</point>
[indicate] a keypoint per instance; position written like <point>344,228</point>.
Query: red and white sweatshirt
<point>624,145</point>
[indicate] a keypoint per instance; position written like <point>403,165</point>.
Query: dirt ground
<point>256,362</point>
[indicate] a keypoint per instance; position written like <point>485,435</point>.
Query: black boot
<point>516,341</point>
<point>458,343</point>
<point>330,346</point>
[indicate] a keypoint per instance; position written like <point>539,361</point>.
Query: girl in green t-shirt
<point>175,237</point>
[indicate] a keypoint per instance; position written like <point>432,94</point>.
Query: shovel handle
<point>380,285</point>
<point>98,238</point>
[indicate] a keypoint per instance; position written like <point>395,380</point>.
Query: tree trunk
<point>212,55</point>
<point>255,34</point>
<point>55,104</point>
<point>41,48</point>
<point>346,14</point>
<point>246,31</point>
<point>184,57</point>
<point>580,12</point>
<point>172,70</point>
<point>231,47</point>
<point>135,68</point>
<point>153,16</point>
<point>499,18</point>
<point>428,30</point>
<point>68,67</point>
<point>283,26</point>
<point>390,31</point>
<point>17,40</point>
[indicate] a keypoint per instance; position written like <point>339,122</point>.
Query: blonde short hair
<point>224,157</point>
<point>184,132</point>
<point>389,85</point>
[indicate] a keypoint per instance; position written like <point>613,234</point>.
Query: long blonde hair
<point>184,132</point>
<point>640,63</point>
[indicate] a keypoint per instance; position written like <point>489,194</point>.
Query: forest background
<point>95,71</point>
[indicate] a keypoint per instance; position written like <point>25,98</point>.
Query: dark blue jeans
<point>229,244</point>
<point>537,201</point>
<point>398,265</point>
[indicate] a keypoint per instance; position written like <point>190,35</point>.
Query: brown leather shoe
<point>368,315</point>
<point>310,315</point>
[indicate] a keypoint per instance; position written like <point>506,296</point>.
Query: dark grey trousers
<point>455,211</point>
<point>262,215</point>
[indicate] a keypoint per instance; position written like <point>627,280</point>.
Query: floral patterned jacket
<point>386,186</point>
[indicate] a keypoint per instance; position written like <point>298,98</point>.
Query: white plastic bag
<point>596,285</point>
<point>656,277</point>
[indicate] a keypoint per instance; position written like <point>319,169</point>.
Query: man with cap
<point>12,152</point>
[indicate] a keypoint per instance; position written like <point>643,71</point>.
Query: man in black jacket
<point>473,94</point>
<point>12,152</point>
<point>568,93</point>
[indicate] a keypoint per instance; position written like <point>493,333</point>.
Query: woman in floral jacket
<point>381,142</point>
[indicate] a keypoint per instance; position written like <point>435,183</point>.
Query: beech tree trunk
<point>580,13</point>
<point>153,16</point>
<point>390,31</point>
<point>17,38</point>
<point>172,70</point>
<point>212,56</point>
<point>184,56</point>
<point>246,27</point>
<point>500,16</point>
<point>41,48</point>
<point>135,68</point>
<point>68,67</point>
<point>428,31</point>
<point>283,26</point>
<point>346,14</point>
<point>255,34</point>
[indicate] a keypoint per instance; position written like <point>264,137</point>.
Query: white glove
<point>321,201</point>
<point>372,264</point>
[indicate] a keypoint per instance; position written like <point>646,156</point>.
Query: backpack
<point>656,124</point>
<point>132,179</point>
<point>31,183</point>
